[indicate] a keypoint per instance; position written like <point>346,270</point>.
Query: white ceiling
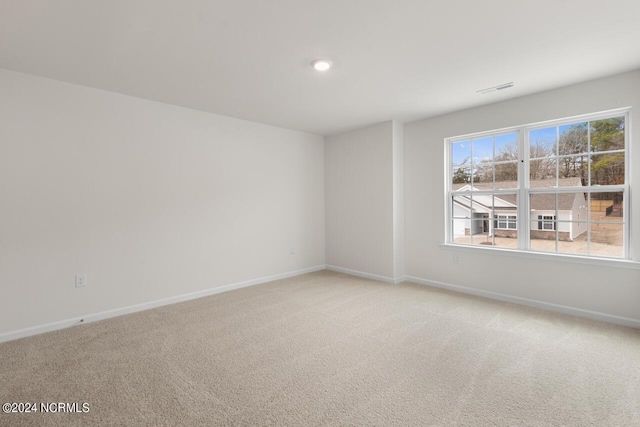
<point>393,59</point>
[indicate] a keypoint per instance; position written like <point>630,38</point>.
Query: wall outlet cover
<point>81,280</point>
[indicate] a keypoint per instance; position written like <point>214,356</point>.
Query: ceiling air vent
<point>495,88</point>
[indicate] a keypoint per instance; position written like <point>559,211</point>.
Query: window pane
<point>506,175</point>
<point>484,175</point>
<point>607,240</point>
<point>506,146</point>
<point>504,225</point>
<point>505,205</point>
<point>607,207</point>
<point>542,143</point>
<point>607,134</point>
<point>573,139</point>
<point>543,241</point>
<point>542,173</point>
<point>507,243</point>
<point>471,218</point>
<point>479,231</point>
<point>572,237</point>
<point>542,204</point>
<point>543,221</point>
<point>573,171</point>
<point>459,221</point>
<point>471,231</point>
<point>481,204</point>
<point>461,153</point>
<point>607,169</point>
<point>460,177</point>
<point>607,224</point>
<point>483,150</point>
<point>462,206</point>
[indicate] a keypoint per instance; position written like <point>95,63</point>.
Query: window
<point>546,222</point>
<point>506,222</point>
<point>559,187</point>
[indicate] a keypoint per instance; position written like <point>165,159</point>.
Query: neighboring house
<point>475,218</point>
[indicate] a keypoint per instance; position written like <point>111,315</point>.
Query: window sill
<point>606,262</point>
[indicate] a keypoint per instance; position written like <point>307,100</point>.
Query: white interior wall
<point>359,200</point>
<point>398,200</point>
<point>613,291</point>
<point>149,200</point>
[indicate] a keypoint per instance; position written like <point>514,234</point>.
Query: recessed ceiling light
<point>495,88</point>
<point>321,64</point>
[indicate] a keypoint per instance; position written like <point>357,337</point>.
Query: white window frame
<point>524,219</point>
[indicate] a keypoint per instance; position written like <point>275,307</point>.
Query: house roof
<point>484,203</point>
<point>541,202</point>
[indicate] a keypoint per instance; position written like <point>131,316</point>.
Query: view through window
<point>560,187</point>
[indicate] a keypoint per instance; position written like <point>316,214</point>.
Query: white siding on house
<point>562,216</point>
<point>460,224</point>
<point>578,213</point>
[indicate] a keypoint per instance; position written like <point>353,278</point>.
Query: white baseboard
<point>34,330</point>
<point>625,321</point>
<point>365,275</point>
<point>21,333</point>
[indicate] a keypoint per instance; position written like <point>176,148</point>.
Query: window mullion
<point>523,185</point>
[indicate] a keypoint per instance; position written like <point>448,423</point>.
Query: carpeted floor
<point>330,349</point>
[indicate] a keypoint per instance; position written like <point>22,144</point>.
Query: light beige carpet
<point>329,349</point>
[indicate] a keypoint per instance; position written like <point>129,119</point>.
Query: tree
<point>545,166</point>
<point>461,176</point>
<point>574,140</point>
<point>607,135</point>
<point>507,171</point>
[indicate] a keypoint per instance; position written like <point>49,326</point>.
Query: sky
<point>483,148</point>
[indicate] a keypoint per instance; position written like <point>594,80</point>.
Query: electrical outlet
<point>81,280</point>
<point>456,259</point>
